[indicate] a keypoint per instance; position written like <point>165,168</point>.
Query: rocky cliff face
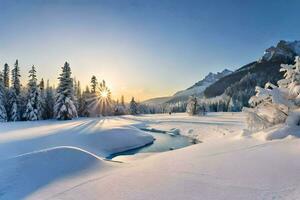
<point>284,50</point>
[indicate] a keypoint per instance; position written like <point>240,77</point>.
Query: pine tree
<point>3,113</point>
<point>84,105</point>
<point>49,102</point>
<point>6,93</point>
<point>94,105</point>
<point>65,108</point>
<point>133,107</point>
<point>78,91</point>
<point>16,83</point>
<point>94,84</point>
<point>118,108</point>
<point>42,86</point>
<point>104,99</point>
<point>33,106</point>
<point>42,98</point>
<point>14,96</point>
<point>122,101</point>
<point>77,95</point>
<point>6,75</point>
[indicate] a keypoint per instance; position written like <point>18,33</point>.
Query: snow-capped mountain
<point>239,86</point>
<point>267,67</point>
<point>198,88</point>
<point>283,50</point>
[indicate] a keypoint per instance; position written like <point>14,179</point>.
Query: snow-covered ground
<point>64,160</point>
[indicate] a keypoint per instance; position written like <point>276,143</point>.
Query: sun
<point>104,94</point>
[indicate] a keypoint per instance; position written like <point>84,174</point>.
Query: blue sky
<point>143,48</point>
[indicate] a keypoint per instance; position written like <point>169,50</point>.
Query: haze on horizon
<point>141,48</point>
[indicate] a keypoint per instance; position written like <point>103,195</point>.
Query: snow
<point>272,106</point>
<point>51,164</point>
<point>98,136</point>
<point>64,160</point>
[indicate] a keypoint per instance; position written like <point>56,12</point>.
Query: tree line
<point>39,100</point>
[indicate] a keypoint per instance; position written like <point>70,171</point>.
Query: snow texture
<point>64,160</point>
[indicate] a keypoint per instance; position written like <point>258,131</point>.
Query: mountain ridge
<point>195,89</point>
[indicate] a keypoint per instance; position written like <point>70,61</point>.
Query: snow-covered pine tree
<point>65,108</point>
<point>192,106</point>
<point>33,106</point>
<point>14,94</point>
<point>274,105</point>
<point>49,102</point>
<point>3,114</point>
<point>133,107</point>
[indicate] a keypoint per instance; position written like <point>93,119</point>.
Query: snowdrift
<point>34,155</point>
<point>24,174</point>
<point>278,132</point>
<point>101,137</point>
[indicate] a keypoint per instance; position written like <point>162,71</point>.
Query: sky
<point>142,48</point>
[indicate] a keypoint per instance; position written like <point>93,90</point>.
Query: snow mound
<point>174,131</point>
<point>121,139</point>
<point>278,132</point>
<point>26,173</point>
<point>101,137</point>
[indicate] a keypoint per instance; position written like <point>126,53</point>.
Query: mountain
<point>230,91</point>
<point>283,51</point>
<point>196,90</point>
<point>156,101</point>
<point>239,86</point>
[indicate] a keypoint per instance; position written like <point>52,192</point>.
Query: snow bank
<point>24,174</point>
<point>101,137</point>
<point>245,169</point>
<point>201,128</point>
<point>222,167</point>
<point>278,132</point>
<point>34,155</point>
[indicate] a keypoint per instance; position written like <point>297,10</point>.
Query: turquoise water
<point>163,142</point>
